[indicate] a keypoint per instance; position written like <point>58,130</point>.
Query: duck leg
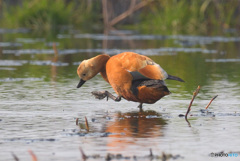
<point>102,94</point>
<point>140,106</point>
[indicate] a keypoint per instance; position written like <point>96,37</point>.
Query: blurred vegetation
<point>158,17</point>
<point>184,16</point>
<point>45,15</point>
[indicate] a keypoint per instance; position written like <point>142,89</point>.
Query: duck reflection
<point>133,128</point>
<point>137,124</point>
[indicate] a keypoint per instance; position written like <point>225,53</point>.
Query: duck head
<point>85,71</point>
<point>91,67</point>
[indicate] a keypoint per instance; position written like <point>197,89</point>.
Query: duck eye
<point>84,75</point>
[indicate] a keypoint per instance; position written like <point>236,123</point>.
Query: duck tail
<point>175,78</point>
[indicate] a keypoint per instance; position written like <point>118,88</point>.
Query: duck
<point>133,77</point>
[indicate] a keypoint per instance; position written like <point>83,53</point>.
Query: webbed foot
<point>103,94</point>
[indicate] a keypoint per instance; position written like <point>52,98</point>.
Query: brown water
<point>39,101</point>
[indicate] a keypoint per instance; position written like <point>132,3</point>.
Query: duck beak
<point>81,82</point>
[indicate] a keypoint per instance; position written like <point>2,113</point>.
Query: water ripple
<point>199,39</point>
<point>222,60</point>
<point>153,51</point>
<point>9,44</point>
<point>32,62</point>
<point>20,79</point>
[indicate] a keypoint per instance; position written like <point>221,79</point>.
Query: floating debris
<point>93,134</point>
<point>30,140</point>
<point>151,156</point>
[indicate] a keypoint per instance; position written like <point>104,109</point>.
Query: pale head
<point>91,67</point>
<point>85,72</point>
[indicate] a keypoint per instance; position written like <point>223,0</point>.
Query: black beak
<point>81,82</point>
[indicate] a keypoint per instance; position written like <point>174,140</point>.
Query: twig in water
<point>15,157</point>
<point>210,102</point>
<point>164,156</point>
<point>194,95</point>
<point>34,157</point>
<point>84,157</point>
<point>76,121</point>
<point>86,123</point>
<point>151,154</point>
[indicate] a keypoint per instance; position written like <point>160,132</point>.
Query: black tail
<point>175,78</point>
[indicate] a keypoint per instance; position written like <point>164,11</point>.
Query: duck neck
<point>100,62</point>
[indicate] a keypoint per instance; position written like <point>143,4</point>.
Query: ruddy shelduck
<point>133,77</point>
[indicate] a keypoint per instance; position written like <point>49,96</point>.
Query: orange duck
<point>133,77</point>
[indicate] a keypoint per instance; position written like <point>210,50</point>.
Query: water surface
<point>39,101</point>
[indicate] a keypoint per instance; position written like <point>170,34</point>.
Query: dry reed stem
<point>34,157</point>
<point>210,102</point>
<point>84,157</point>
<point>129,12</point>
<point>15,157</point>
<point>86,123</point>
<point>194,95</point>
<point>76,121</point>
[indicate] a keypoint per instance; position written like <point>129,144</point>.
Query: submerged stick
<point>86,123</point>
<point>194,95</point>
<point>210,102</point>
<point>34,157</point>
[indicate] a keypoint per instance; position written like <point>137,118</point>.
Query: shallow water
<point>39,102</point>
